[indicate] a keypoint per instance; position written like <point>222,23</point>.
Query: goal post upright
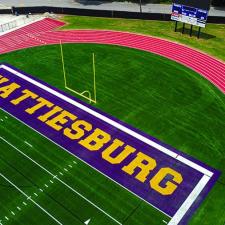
<point>94,79</point>
<point>82,94</point>
<point>63,64</point>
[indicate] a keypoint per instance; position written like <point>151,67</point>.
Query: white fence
<point>18,22</point>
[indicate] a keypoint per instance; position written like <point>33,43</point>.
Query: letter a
<point>7,90</point>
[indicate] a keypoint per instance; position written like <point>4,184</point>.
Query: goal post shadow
<point>86,93</point>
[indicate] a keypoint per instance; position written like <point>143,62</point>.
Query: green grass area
<point>57,199</point>
<point>149,92</point>
<point>212,38</point>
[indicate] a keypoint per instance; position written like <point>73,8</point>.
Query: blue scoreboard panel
<point>190,15</point>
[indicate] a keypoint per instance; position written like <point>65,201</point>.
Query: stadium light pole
<point>140,3</point>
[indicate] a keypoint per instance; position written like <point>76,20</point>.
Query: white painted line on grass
<point>31,199</point>
<point>106,119</point>
<point>115,124</point>
<point>65,184</point>
<point>193,165</point>
<point>83,162</point>
<point>92,112</point>
<point>189,201</point>
<point>28,144</point>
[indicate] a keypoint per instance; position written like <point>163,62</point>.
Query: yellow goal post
<point>86,93</point>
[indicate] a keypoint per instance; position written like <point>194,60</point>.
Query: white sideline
<point>56,177</point>
<point>195,192</point>
<point>85,163</point>
<point>29,198</point>
<point>109,121</point>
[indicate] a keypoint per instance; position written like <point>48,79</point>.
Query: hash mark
<point>28,144</point>
<point>18,208</point>
<point>24,203</point>
<point>46,185</point>
<point>66,169</point>
<point>51,181</point>
<point>35,194</point>
<point>6,218</point>
<point>12,213</point>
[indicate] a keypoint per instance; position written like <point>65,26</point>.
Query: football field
<point>40,181</point>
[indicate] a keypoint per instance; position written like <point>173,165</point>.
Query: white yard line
<point>30,199</point>
<point>19,208</point>
<point>110,121</point>
<point>86,164</point>
<point>191,198</point>
<point>28,144</point>
<point>55,177</point>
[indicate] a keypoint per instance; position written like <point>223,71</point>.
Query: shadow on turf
<point>203,35</point>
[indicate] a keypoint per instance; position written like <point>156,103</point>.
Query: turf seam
<point>131,213</point>
<point>35,185</point>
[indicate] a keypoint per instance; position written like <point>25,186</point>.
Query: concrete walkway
<point>116,6</point>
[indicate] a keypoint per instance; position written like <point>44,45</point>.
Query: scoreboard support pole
<point>140,5</point>
<point>191,30</point>
<point>183,28</point>
<point>199,31</point>
<point>175,26</point>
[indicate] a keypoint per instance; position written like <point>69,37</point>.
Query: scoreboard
<point>190,15</point>
<point>194,12</point>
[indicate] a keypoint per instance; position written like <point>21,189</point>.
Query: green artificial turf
<point>149,92</point>
<point>212,39</point>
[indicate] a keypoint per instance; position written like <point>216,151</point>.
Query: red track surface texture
<point>42,33</point>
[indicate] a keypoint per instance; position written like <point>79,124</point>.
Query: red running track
<point>42,33</point>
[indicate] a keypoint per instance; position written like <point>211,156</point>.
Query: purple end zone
<point>169,205</point>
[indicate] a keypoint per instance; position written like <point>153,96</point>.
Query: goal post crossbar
<point>82,94</point>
